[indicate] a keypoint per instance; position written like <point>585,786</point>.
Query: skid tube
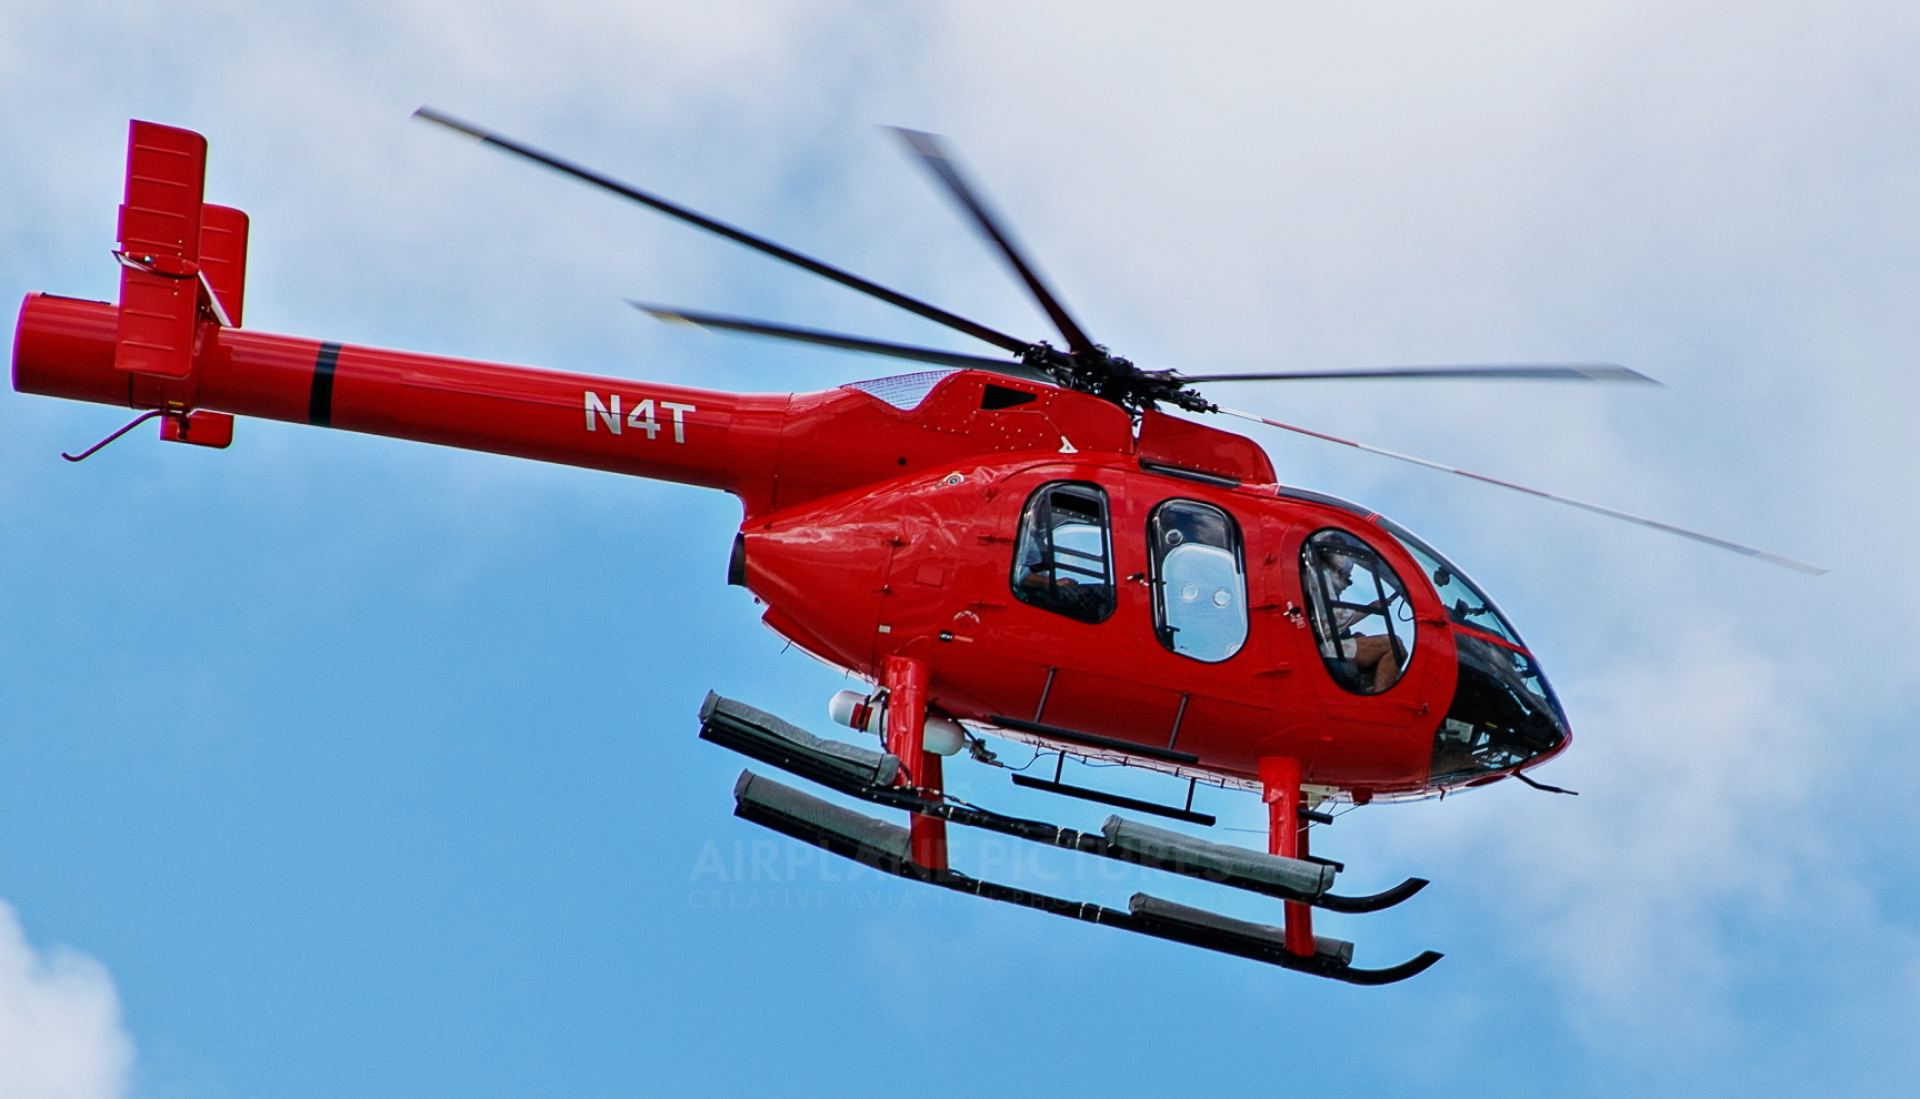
<point>884,847</point>
<point>865,774</point>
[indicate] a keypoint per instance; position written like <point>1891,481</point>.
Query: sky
<point>341,765</point>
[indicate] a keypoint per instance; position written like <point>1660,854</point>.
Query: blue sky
<point>340,765</point>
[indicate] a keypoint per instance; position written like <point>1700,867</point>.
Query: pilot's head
<point>1340,571</point>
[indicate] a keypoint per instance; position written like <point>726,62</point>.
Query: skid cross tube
<point>723,722</point>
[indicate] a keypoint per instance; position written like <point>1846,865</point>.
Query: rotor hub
<point>1102,374</point>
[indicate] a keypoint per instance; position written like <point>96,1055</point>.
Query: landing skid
<point>867,775</point>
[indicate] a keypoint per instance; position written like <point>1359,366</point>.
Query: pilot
<point>1375,656</point>
<point>1041,582</point>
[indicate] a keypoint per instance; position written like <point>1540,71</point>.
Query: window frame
<point>1038,597</point>
<point>1319,611</point>
<point>1158,552</point>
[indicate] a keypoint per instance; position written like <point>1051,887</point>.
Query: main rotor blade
<point>1749,551</point>
<point>835,339</point>
<point>740,236</point>
<point>1576,372</point>
<point>933,153</point>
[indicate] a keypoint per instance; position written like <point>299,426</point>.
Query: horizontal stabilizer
<point>201,428</point>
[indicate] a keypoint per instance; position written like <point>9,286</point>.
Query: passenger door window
<point>1062,562</point>
<point>1200,585</point>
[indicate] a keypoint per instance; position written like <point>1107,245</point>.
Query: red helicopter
<point>1024,547</point>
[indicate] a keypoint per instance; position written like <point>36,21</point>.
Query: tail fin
<point>183,261</point>
<point>223,258</point>
<point>183,265</point>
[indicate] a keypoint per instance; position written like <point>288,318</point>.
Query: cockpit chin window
<point>1504,713</point>
<point>1361,618</point>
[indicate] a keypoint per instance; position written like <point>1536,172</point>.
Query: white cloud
<point>60,1032</point>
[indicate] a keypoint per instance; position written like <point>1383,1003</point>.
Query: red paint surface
<point>872,532</point>
<point>1287,837</point>
<point>859,555</point>
<point>906,682</point>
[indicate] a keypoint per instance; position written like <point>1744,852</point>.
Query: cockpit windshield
<point>1465,603</point>
<point>1503,711</point>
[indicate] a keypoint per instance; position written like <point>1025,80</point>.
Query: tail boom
<point>65,347</point>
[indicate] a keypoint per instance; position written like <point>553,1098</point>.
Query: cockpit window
<point>1503,713</point>
<point>1465,603</point>
<point>1200,605</point>
<point>1062,562</point>
<point>1362,620</point>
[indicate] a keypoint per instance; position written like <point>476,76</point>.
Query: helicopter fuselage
<point>1024,547</point>
<point>888,518</point>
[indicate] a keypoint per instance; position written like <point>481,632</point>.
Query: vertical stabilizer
<point>223,258</point>
<point>160,282</point>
